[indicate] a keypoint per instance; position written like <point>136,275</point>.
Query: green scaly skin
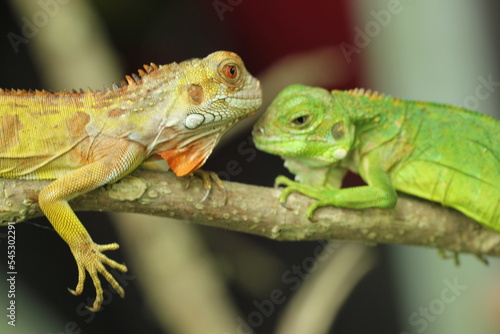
<point>434,151</point>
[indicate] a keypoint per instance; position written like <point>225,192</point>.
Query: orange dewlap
<point>184,160</point>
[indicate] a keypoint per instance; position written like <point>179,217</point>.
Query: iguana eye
<point>230,71</point>
<point>301,120</point>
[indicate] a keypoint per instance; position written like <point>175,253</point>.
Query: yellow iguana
<point>84,140</point>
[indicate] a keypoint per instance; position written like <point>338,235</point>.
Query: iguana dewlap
<point>434,151</point>
<point>84,140</point>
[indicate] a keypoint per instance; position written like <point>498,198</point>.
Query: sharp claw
<point>207,192</point>
<point>188,183</point>
<point>312,209</point>
<point>310,214</point>
<point>121,292</point>
<point>208,179</point>
<point>93,308</point>
<point>89,258</point>
<point>284,195</point>
<point>225,195</point>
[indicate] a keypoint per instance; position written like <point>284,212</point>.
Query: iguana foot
<point>322,195</point>
<point>208,179</point>
<point>284,181</point>
<point>90,258</point>
<point>290,187</point>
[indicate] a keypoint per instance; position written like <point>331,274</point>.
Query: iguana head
<point>305,123</point>
<point>213,94</point>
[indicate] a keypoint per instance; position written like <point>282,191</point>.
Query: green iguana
<point>434,151</point>
<point>85,140</point>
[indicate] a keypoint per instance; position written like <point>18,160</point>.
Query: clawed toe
<point>89,258</point>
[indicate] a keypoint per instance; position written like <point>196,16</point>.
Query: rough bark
<point>256,210</point>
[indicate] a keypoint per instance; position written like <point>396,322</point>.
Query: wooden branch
<point>255,210</point>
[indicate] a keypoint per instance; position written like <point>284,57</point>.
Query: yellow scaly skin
<point>88,139</point>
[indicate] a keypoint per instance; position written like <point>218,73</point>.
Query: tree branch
<point>256,210</point>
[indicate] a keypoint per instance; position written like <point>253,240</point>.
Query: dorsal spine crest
<point>129,80</point>
<point>371,94</point>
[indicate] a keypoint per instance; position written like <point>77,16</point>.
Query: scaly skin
<point>88,139</point>
<point>437,152</point>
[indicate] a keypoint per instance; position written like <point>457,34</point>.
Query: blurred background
<point>191,279</point>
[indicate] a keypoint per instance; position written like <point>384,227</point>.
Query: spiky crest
<point>371,94</point>
<point>129,80</point>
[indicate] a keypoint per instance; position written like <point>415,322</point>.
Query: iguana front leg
<point>53,201</point>
<point>379,193</point>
